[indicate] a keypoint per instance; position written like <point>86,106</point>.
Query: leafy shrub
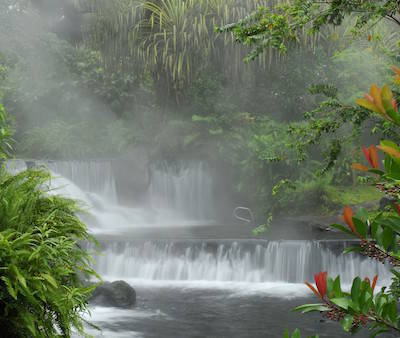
<point>304,194</point>
<point>42,265</point>
<point>378,237</point>
<point>41,292</point>
<point>62,140</point>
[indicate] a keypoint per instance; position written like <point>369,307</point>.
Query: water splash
<point>178,196</point>
<point>249,261</point>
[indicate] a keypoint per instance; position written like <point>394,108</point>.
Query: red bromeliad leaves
<point>395,105</point>
<point>313,289</point>
<point>348,218</point>
<point>379,101</point>
<point>397,207</point>
<point>397,76</point>
<point>374,282</point>
<point>320,282</point>
<point>371,154</point>
<point>389,150</point>
<point>359,166</point>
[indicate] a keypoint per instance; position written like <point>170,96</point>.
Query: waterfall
<point>178,195</point>
<point>90,176</point>
<point>250,261</point>
<point>186,188</point>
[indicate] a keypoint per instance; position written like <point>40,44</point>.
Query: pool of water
<point>202,309</point>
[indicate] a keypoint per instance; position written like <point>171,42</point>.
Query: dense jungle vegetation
<point>156,74</point>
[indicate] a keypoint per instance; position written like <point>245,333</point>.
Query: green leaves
<point>355,291</point>
<point>311,307</point>
<point>342,302</point>
<point>347,322</point>
<point>285,22</point>
<point>40,259</point>
<point>296,334</point>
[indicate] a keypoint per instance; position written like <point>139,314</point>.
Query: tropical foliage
<point>378,236</point>
<point>280,25</point>
<point>42,264</point>
<point>112,75</point>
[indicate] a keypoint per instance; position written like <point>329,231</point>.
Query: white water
<point>177,196</point>
<point>183,196</point>
<point>245,261</point>
<point>186,189</point>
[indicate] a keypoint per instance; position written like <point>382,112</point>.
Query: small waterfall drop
<point>186,188</point>
<point>90,176</point>
<point>250,261</point>
<point>178,195</point>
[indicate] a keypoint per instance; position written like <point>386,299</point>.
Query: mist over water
<point>249,272</point>
<point>159,130</point>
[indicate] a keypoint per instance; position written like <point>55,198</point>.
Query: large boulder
<point>115,294</point>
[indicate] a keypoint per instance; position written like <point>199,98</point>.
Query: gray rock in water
<point>115,294</point>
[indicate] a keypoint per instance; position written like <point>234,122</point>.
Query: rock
<point>115,294</point>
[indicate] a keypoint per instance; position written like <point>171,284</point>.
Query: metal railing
<point>242,217</point>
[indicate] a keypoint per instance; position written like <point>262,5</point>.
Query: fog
<point>156,123</point>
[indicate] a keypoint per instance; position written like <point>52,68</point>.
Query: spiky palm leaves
<point>175,40</point>
<point>174,37</point>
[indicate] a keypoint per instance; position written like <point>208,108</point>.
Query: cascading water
<point>186,188</point>
<point>90,176</point>
<point>184,285</point>
<point>178,196</point>
<point>249,261</point>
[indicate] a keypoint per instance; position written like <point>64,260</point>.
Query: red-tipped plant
<point>371,154</point>
<point>348,214</point>
<point>373,282</point>
<point>320,282</point>
<point>397,207</point>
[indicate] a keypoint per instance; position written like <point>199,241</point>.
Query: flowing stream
<point>191,287</point>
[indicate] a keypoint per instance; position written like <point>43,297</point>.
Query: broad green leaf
<point>379,235</point>
<point>347,322</point>
<point>392,311</point>
<point>311,307</point>
<point>387,238</point>
<point>342,302</point>
<point>352,249</point>
<point>361,227</point>
<point>337,288</point>
<point>362,214</point>
<point>342,228</point>
<point>355,290</point>
<point>376,171</point>
<point>296,334</point>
